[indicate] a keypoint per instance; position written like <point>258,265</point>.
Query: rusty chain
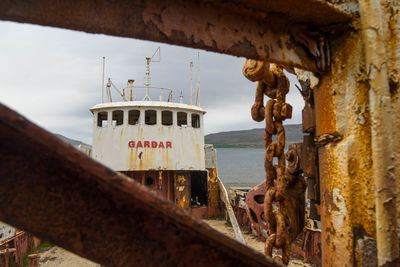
<point>280,205</point>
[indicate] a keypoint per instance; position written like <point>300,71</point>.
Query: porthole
<point>117,117</point>
<point>195,121</point>
<point>133,117</point>
<point>102,119</point>
<point>150,117</point>
<point>149,181</point>
<point>166,117</point>
<point>182,118</point>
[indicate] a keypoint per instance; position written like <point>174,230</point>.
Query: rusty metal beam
<point>57,193</point>
<point>319,13</point>
<point>380,107</point>
<point>276,31</point>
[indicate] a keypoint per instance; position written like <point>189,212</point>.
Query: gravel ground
<point>250,239</point>
<point>59,257</point>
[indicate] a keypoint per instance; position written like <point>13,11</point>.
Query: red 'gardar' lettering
<point>150,144</point>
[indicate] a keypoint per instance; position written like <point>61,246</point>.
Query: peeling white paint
<point>110,143</point>
<point>303,75</point>
<point>340,213</point>
<point>361,119</point>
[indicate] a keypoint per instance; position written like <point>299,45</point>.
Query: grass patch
<point>228,223</point>
<point>25,259</point>
<point>44,245</point>
<point>41,247</point>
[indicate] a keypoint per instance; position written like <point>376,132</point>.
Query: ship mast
<point>191,83</point>
<point>148,60</point>
<point>102,85</point>
<point>198,80</point>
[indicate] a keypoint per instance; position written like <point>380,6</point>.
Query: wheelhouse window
<point>195,121</point>
<point>133,117</point>
<point>102,119</point>
<point>117,117</point>
<point>150,117</point>
<point>166,117</point>
<point>182,118</point>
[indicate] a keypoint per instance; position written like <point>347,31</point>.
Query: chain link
<point>272,82</point>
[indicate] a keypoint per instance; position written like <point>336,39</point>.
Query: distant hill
<point>72,142</point>
<point>253,137</point>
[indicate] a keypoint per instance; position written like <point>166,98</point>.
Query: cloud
<point>53,76</point>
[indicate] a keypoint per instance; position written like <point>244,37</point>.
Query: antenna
<point>148,60</point>
<point>102,86</point>
<point>198,80</point>
<point>109,91</point>
<point>191,82</point>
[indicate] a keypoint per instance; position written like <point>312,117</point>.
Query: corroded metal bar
<point>345,163</point>
<point>372,24</point>
<point>57,193</point>
<point>235,28</point>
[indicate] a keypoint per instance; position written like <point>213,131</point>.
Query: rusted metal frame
<point>204,25</point>
<point>7,253</point>
<point>311,243</point>
<point>372,21</point>
<point>11,238</point>
<point>7,250</point>
<point>317,12</point>
<point>255,208</point>
<point>80,205</point>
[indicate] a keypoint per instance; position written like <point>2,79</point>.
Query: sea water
<point>240,166</point>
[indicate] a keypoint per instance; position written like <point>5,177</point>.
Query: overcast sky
<point>53,76</point>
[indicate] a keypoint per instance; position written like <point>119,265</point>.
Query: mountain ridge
<point>252,138</point>
<point>70,141</point>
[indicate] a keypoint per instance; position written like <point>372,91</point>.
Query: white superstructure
<point>148,135</point>
<point>159,144</point>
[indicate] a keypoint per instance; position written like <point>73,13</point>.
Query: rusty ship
<point>158,143</point>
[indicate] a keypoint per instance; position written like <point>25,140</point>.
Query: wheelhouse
<point>159,144</point>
